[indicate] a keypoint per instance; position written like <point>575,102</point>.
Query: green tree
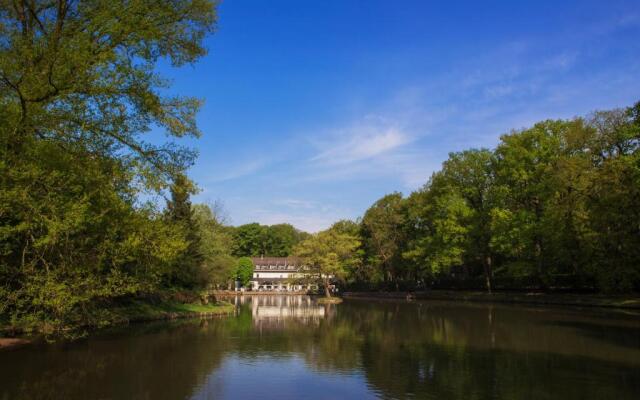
<point>328,255</point>
<point>357,271</point>
<point>180,213</point>
<point>260,240</point>
<point>523,165</point>
<point>78,91</point>
<point>281,239</point>
<point>244,270</point>
<point>614,199</point>
<point>82,73</point>
<point>218,265</point>
<point>383,234</point>
<point>438,239</point>
<point>249,240</point>
<point>469,174</point>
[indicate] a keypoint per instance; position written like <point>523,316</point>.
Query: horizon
<point>313,113</point>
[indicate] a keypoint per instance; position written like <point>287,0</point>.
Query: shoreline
<point>545,299</point>
<point>12,336</point>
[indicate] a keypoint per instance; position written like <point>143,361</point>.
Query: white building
<point>280,274</point>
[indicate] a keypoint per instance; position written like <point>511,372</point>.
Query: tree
<point>82,73</point>
<point>218,266</point>
<point>249,240</point>
<point>244,270</point>
<point>523,165</point>
<point>78,90</point>
<point>328,255</point>
<point>613,200</point>
<point>260,240</point>
<point>357,271</point>
<point>280,239</point>
<point>439,218</point>
<point>469,175</point>
<point>383,233</point>
<point>180,213</point>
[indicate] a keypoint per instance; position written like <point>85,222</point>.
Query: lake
<point>288,347</point>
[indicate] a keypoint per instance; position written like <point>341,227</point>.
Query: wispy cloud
<point>297,203</point>
<point>239,170</point>
<point>359,142</point>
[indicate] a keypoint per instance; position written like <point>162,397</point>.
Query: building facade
<point>280,274</point>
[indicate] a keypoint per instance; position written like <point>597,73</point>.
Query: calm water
<point>290,348</point>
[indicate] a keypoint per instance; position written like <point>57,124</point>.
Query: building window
<point>257,275</point>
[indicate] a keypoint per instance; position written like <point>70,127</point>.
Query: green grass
<point>143,311</point>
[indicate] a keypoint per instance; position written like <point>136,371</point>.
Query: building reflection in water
<point>274,312</point>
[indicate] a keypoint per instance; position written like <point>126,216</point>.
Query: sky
<point>313,110</point>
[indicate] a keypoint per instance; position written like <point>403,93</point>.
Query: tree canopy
<point>253,240</point>
<point>78,93</point>
<point>244,270</point>
<point>329,255</point>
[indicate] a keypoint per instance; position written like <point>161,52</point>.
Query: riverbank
<point>582,300</point>
<point>11,336</point>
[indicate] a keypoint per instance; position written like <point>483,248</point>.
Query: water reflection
<point>273,311</point>
<point>280,347</point>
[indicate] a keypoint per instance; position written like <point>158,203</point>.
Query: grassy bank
<point>135,311</point>
<point>140,311</point>
<point>569,299</point>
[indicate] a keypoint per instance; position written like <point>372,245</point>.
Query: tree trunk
<point>538,254</point>
<point>487,271</point>
<point>327,292</point>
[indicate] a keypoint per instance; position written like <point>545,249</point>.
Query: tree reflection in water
<point>288,347</point>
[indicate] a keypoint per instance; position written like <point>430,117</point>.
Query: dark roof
<point>278,261</point>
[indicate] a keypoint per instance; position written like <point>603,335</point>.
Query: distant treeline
<point>556,205</point>
<point>254,240</point>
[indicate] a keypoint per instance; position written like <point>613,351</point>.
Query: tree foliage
<point>218,265</point>
<point>329,255</point>
<point>244,270</point>
<point>253,240</point>
<point>78,92</point>
<point>383,236</point>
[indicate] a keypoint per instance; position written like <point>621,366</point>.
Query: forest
<point>94,213</point>
<point>555,206</point>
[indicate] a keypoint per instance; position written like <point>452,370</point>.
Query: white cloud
<point>360,142</point>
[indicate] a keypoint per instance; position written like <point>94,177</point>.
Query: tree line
<point>553,206</point>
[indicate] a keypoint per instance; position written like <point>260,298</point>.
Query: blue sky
<point>315,109</point>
